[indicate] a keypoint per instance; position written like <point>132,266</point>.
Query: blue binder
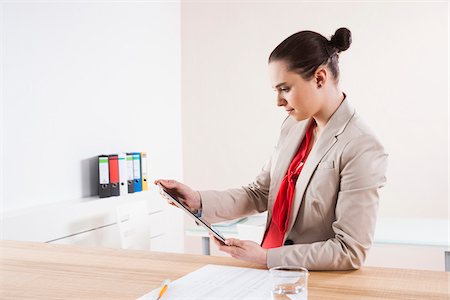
<point>137,173</point>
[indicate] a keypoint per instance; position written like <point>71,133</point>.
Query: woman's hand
<point>245,250</point>
<point>184,193</point>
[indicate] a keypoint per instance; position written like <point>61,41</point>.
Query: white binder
<point>123,174</point>
<point>130,175</point>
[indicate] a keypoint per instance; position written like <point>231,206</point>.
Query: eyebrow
<point>280,84</point>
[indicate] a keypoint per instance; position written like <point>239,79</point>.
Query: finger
<point>215,240</point>
<point>218,242</point>
<point>168,183</point>
<point>223,247</point>
<point>162,181</point>
<point>225,250</point>
<point>171,203</point>
<point>229,250</point>
<point>234,242</point>
<point>164,196</point>
<point>161,192</point>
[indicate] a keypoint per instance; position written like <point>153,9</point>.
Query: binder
<point>114,175</point>
<point>103,176</point>
<point>137,171</point>
<point>123,174</point>
<point>130,178</point>
<point>144,171</point>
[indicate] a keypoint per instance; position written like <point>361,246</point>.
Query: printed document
<point>214,282</point>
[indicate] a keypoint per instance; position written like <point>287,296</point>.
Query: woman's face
<point>296,95</point>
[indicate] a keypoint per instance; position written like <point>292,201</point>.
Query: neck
<point>331,104</point>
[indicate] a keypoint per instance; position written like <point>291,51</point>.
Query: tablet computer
<point>187,210</point>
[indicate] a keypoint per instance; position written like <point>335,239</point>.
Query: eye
<point>284,89</point>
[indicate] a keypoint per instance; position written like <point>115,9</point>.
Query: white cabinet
<point>107,236</point>
<point>93,222</point>
<point>157,223</point>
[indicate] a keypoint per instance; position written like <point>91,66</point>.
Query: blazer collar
<point>335,126</point>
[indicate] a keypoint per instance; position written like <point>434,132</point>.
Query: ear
<point>320,76</point>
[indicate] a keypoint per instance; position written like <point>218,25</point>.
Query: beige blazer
<point>335,205</point>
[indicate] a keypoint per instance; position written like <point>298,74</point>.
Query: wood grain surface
<point>48,271</point>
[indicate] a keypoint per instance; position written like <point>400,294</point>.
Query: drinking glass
<point>289,282</point>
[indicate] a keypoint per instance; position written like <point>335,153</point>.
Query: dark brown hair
<point>305,51</point>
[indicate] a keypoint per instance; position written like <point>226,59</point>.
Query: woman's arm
<point>234,203</point>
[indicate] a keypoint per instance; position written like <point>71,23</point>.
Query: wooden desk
<point>48,271</point>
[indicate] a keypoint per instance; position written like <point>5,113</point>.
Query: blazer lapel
<point>286,154</point>
<point>327,139</point>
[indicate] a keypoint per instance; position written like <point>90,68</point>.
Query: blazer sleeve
<point>363,169</point>
<point>218,206</point>
<point>230,204</point>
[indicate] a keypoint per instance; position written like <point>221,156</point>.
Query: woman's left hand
<point>245,250</point>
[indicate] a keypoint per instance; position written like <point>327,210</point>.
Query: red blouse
<point>274,234</point>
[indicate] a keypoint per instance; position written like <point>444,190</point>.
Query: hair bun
<point>341,39</point>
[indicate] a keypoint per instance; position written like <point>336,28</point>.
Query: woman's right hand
<point>184,193</point>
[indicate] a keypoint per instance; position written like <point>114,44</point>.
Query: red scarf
<point>276,231</point>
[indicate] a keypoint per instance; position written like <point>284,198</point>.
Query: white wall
<point>1,115</point>
<point>76,76</point>
<point>395,74</point>
<point>82,79</point>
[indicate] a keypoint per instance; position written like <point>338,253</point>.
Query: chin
<point>299,118</point>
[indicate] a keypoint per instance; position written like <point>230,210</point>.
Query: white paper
<point>213,282</point>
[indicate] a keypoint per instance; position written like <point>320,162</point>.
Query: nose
<point>281,101</point>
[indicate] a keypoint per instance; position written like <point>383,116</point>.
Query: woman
<point>321,184</point>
